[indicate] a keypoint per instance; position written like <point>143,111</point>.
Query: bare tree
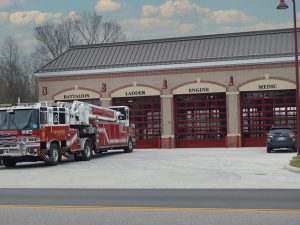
<point>52,38</point>
<point>112,32</point>
<point>69,33</point>
<point>87,28</point>
<point>40,57</point>
<point>16,78</point>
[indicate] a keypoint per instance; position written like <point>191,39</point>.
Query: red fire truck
<point>46,132</point>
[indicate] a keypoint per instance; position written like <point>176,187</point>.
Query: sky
<point>148,19</point>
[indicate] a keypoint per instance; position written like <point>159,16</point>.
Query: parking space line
<point>125,208</point>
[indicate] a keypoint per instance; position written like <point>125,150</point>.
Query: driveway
<point>162,168</point>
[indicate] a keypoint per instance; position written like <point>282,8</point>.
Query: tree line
<point>17,68</point>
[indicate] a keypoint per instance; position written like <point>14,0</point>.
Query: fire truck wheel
<point>77,156</point>
<point>54,155</point>
<point>9,162</point>
<point>129,147</point>
<point>86,153</point>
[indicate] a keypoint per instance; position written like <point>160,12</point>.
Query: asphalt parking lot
<point>162,168</point>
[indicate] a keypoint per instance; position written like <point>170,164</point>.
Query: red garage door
<point>262,109</point>
<point>200,120</point>
<point>145,114</point>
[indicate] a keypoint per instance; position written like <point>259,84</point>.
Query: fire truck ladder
<point>82,112</point>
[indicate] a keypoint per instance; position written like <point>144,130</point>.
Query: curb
<point>292,168</point>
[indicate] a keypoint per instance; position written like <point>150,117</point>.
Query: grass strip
<point>295,162</point>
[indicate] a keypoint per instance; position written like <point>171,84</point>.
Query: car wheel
<point>269,149</point>
<point>295,149</point>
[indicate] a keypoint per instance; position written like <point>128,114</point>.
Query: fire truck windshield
<point>19,119</point>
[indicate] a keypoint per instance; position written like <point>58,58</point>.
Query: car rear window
<point>281,130</point>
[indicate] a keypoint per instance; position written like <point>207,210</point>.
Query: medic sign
<point>267,86</point>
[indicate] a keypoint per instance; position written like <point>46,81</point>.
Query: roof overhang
<point>166,67</point>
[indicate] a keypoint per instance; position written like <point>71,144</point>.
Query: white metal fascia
<point>165,67</point>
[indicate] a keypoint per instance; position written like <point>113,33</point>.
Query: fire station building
<point>199,91</point>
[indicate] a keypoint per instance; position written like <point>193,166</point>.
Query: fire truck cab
<point>43,132</point>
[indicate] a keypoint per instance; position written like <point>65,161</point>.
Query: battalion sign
<point>76,94</point>
<point>197,88</point>
<point>135,91</point>
<point>268,84</point>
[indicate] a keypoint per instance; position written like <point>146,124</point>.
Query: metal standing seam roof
<point>193,49</point>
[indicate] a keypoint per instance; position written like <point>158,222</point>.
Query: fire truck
<point>46,132</point>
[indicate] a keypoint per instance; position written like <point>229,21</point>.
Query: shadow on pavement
<point>29,165</point>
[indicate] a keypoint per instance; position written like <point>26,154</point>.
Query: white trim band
<point>165,67</point>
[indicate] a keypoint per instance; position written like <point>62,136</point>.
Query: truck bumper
<point>19,152</point>
<point>282,144</point>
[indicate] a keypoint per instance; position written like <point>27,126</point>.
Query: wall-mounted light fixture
<point>230,81</point>
<point>165,84</point>
<point>103,87</point>
<point>44,90</point>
